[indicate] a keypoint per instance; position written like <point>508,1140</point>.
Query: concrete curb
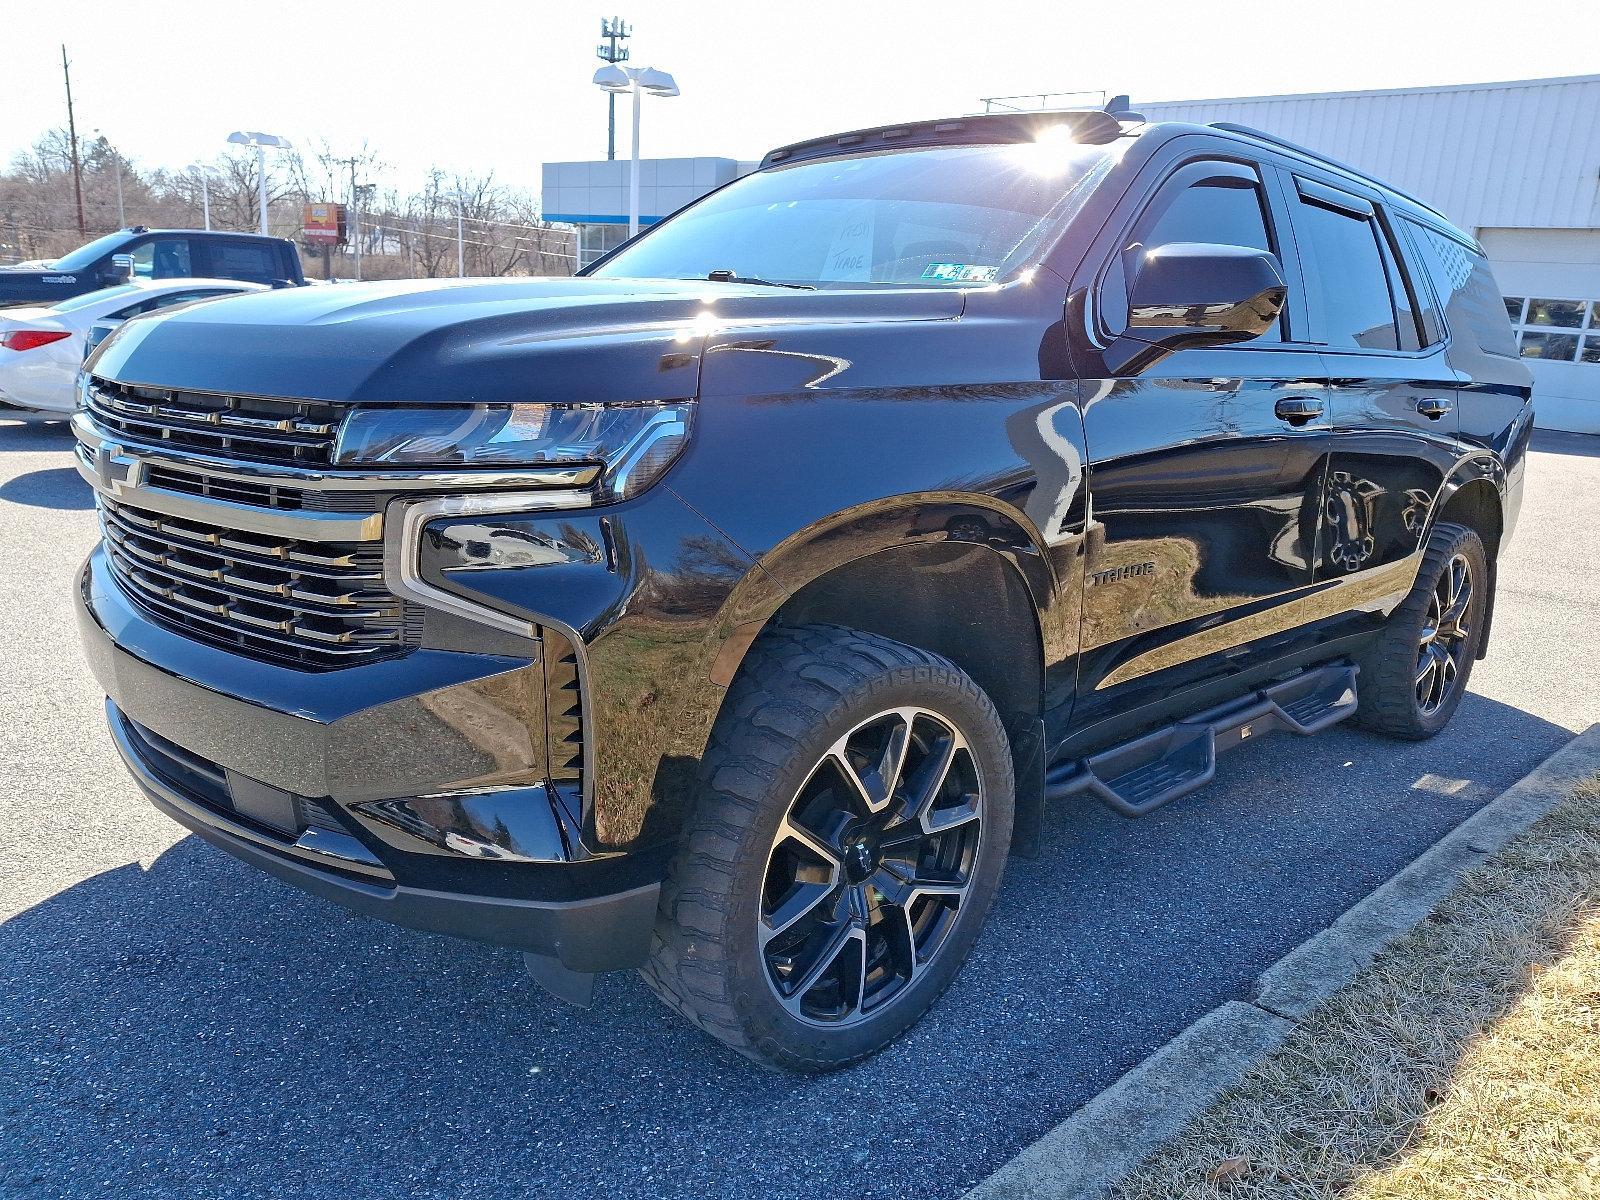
<point>1102,1142</point>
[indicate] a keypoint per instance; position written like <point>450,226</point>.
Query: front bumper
<point>487,851</point>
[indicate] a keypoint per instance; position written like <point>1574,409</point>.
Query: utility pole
<point>355,209</point>
<point>72,137</point>
<point>615,30</point>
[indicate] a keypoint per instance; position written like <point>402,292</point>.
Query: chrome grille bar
<point>317,604</point>
<point>297,432</point>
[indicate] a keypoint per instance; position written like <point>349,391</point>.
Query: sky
<point>473,86</point>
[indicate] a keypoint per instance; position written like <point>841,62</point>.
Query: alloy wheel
<point>871,862</point>
<point>1445,636</point>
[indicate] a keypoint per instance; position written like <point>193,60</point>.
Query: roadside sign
<point>324,224</point>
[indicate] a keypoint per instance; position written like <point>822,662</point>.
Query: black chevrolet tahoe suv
<point>155,254</point>
<point>732,610</point>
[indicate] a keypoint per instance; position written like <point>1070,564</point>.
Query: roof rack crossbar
<point>1318,156</point>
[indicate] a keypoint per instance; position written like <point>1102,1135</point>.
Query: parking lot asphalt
<point>173,1023</point>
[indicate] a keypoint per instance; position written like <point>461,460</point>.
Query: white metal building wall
<point>1518,164</point>
<point>1510,155</point>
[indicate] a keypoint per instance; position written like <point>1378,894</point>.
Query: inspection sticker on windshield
<point>960,273</point>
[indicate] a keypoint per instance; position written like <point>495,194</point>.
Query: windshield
<point>929,216</point>
<point>89,299</point>
<point>87,255</point>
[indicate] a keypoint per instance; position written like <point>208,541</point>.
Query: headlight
<point>632,443</point>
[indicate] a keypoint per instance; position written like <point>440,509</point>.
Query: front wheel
<point>851,833</point>
<point>1416,672</point>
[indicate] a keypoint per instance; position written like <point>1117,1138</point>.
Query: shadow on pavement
<point>58,487</point>
<point>1554,441</point>
<point>34,435</point>
<point>171,1028</point>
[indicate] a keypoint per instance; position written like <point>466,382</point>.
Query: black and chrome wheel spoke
<point>869,866</point>
<point>802,900</point>
<point>1444,640</point>
<point>872,757</point>
<point>820,846</point>
<point>838,964</point>
<point>897,910</point>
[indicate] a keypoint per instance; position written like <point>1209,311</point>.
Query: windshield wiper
<point>729,277</point>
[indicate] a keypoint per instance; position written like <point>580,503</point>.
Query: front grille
<point>197,481</point>
<point>236,491</point>
<point>293,432</point>
<point>312,604</point>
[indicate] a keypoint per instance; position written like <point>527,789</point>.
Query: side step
<point>1140,776</point>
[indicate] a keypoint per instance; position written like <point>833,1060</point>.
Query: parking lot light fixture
<point>203,174</point>
<point>261,141</point>
<point>639,81</point>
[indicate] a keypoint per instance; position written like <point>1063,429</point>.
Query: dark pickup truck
<point>732,611</point>
<point>154,254</point>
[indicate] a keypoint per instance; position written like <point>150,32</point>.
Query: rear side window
<point>1473,306</point>
<point>243,260</point>
<point>1346,279</point>
<point>1224,208</point>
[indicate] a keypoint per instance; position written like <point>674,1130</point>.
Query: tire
<point>781,833</point>
<point>1399,694</point>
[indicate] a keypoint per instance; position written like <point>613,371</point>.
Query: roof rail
<point>1274,139</point>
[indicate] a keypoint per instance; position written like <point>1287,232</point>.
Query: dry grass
<point>1464,1063</point>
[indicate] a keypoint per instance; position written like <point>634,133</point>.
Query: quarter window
<point>1345,273</point>
<point>1467,289</point>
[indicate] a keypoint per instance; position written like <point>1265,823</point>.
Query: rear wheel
<point>1415,674</point>
<point>848,842</point>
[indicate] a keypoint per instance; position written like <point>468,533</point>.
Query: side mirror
<point>121,270</point>
<point>1198,294</point>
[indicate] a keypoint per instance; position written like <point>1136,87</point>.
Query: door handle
<point>1297,410</point>
<point>1433,407</point>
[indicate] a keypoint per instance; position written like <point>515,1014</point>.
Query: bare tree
<point>404,235</point>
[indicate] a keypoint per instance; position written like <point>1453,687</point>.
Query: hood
<point>572,340</point>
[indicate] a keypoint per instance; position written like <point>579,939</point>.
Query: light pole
<point>203,174</point>
<point>261,141</point>
<point>637,80</point>
<point>461,233</point>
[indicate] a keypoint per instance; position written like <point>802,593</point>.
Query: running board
<point>1140,776</point>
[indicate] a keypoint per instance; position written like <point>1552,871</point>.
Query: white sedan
<point>41,349</point>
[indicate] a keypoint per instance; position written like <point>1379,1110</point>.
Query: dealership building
<point>1517,164</point>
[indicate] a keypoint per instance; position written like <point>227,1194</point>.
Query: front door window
<point>162,258</point>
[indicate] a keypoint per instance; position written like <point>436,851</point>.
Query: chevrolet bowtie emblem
<point>116,468</point>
